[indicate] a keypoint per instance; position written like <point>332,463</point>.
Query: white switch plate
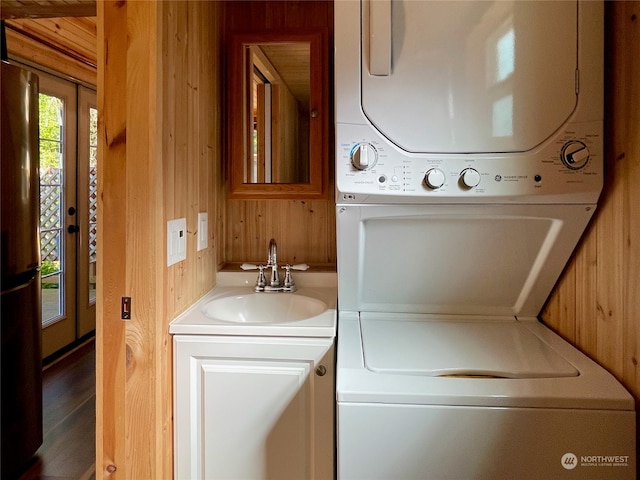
<point>203,230</point>
<point>176,240</point>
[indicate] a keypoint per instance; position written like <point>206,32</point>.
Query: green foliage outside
<point>93,137</point>
<point>49,267</point>
<point>50,110</point>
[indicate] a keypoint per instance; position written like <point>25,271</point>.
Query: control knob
<point>364,156</point>
<point>574,155</point>
<point>434,178</point>
<point>470,177</point>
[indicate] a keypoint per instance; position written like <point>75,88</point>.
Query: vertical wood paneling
<point>145,350</point>
<point>609,287</point>
<point>110,287</point>
<point>247,15</point>
<point>603,280</point>
<point>171,129</point>
<point>586,287</point>
<point>210,136</point>
<point>629,19</point>
<point>191,138</point>
<point>303,229</point>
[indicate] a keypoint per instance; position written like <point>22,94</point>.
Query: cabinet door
<point>254,408</point>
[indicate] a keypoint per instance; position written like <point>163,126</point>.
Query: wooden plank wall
<point>596,304</point>
<point>304,229</point>
<point>111,372</point>
<point>192,138</point>
<point>160,144</point>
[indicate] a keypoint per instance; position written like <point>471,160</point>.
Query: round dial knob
<point>434,178</point>
<point>574,155</point>
<point>470,177</point>
<point>364,156</point>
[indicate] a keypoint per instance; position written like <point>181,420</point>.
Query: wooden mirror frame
<point>318,123</point>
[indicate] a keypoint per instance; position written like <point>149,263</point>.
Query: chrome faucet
<point>272,262</point>
<point>274,284</point>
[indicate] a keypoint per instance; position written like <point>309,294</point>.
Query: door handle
<point>73,229</point>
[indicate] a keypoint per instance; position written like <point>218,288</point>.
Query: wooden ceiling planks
<point>74,36</point>
<point>46,8</point>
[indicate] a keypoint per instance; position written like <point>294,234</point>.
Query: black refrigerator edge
<point>21,368</point>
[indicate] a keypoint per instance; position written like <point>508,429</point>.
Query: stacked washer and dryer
<point>469,162</point>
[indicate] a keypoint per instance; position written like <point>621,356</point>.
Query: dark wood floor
<point>69,404</point>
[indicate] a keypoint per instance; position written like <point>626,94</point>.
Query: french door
<point>87,198</point>
<point>68,145</point>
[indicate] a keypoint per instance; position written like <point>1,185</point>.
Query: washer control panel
<point>570,163</point>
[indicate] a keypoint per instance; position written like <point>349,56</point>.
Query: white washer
<point>478,389</point>
<point>399,421</point>
<point>468,164</point>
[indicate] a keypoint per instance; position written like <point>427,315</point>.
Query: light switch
<point>203,230</point>
<point>176,240</point>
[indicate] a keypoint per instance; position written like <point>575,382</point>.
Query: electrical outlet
<point>176,241</point>
<point>203,230</point>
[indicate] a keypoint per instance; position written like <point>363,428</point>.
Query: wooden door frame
<point>85,309</point>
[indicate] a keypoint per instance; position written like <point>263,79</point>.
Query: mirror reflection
<point>278,114</point>
<point>277,77</point>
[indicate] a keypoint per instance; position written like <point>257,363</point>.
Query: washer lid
<point>480,260</point>
<point>460,347</point>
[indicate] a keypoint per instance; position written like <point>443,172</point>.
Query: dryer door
<point>468,76</point>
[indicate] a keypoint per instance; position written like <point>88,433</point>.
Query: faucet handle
<point>300,266</point>
<point>288,279</point>
<point>261,281</point>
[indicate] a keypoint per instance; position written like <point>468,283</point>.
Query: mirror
<point>277,118</point>
<point>278,115</point>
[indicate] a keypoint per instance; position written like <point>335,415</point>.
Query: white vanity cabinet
<point>254,408</point>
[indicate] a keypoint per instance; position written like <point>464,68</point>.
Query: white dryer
<point>468,164</point>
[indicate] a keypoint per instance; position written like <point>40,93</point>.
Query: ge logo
<point>569,461</point>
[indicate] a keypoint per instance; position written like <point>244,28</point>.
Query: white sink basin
<point>233,308</point>
<point>258,308</point>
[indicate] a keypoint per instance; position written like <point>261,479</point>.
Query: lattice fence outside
<point>50,213</point>
<point>50,221</point>
<point>93,211</point>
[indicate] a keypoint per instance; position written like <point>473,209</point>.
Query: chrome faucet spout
<point>272,262</point>
<point>274,284</point>
<point>273,252</point>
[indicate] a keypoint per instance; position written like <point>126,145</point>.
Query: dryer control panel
<point>566,168</point>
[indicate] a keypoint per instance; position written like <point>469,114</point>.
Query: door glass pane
<point>51,206</point>
<point>93,199</point>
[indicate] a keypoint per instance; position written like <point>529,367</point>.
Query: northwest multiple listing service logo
<point>570,461</point>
